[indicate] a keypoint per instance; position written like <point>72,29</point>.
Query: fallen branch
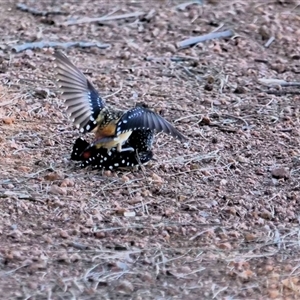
<point>36,12</point>
<point>47,44</point>
<point>103,19</point>
<point>206,37</point>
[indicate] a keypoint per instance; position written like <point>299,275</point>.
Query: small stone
<point>8,120</point>
<point>125,286</point>
<point>107,173</point>
<point>100,234</point>
<point>223,182</point>
<point>240,90</point>
<point>204,121</point>
<point>246,275</point>
<point>225,246</point>
<point>273,294</point>
<point>75,257</point>
<point>147,277</point>
<point>49,142</point>
<point>280,173</point>
<point>125,178</point>
<point>15,234</point>
<point>23,169</point>
<point>63,257</point>
<point>56,190</point>
<point>264,31</point>
<point>64,234</point>
<point>265,214</point>
<point>129,214</point>
<point>52,176</point>
<point>67,183</point>
<point>249,237</point>
<point>157,178</point>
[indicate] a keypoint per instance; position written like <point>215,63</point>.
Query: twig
<point>269,42</point>
<point>187,117</point>
<point>173,58</point>
<point>14,270</point>
<point>261,60</point>
<point>116,92</point>
<point>183,6</point>
<point>36,12</point>
<point>103,19</point>
<point>202,38</point>
<point>280,93</point>
<point>47,44</point>
<point>281,82</point>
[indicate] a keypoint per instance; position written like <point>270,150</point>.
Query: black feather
<point>140,140</point>
<point>143,118</point>
<point>77,90</point>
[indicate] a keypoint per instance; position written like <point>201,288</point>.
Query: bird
<point>89,112</point>
<point>113,160</point>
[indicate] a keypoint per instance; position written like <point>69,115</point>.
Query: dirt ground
<point>218,219</point>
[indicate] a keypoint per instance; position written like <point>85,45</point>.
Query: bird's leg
<point>120,149</point>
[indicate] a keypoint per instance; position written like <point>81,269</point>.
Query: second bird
<point>89,112</point>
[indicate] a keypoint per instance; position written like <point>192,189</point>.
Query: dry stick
<point>47,44</point>
<point>202,38</point>
<point>269,42</point>
<point>183,6</point>
<point>280,82</point>
<point>173,58</point>
<point>103,19</point>
<point>280,93</point>
<point>36,12</point>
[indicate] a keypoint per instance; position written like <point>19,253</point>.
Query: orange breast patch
<point>108,130</point>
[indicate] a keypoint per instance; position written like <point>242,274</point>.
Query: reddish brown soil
<point>218,219</point>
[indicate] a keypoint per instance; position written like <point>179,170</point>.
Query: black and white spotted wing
<point>78,148</point>
<point>142,118</point>
<point>81,99</point>
<point>141,140</point>
<point>114,160</point>
<point>89,155</point>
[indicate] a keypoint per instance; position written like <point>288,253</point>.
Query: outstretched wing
<point>81,99</point>
<point>142,118</point>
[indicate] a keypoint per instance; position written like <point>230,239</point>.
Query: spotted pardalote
<point>89,155</point>
<point>89,111</point>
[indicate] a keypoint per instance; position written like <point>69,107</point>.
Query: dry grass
<point>218,217</point>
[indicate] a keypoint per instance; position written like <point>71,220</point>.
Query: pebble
<point>280,173</point>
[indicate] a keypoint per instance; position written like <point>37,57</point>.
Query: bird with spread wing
<point>89,112</point>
